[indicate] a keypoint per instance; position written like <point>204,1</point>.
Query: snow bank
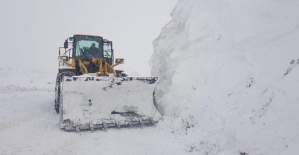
<point>26,80</point>
<point>228,75</point>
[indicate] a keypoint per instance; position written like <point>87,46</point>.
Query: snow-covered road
<point>29,125</point>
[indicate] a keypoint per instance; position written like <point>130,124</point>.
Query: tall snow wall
<point>229,75</point>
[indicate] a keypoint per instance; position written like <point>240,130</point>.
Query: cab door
<point>108,52</point>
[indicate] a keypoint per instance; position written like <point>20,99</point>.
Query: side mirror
<point>66,44</point>
<point>71,39</point>
<point>119,61</point>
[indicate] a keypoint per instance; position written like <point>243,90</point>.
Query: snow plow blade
<point>89,102</point>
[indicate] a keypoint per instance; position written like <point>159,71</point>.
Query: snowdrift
<point>229,76</point>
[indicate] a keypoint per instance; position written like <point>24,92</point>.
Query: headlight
<point>119,61</point>
<point>64,58</point>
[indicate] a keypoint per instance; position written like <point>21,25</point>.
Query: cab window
<point>107,50</point>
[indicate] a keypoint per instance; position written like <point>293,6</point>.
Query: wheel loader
<point>90,93</point>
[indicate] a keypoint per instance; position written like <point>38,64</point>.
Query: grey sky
<point>32,30</point>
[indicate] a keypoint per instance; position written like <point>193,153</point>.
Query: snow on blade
<point>98,100</point>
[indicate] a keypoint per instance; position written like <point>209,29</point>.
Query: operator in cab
<point>94,52</point>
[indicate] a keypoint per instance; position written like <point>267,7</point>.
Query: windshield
<point>87,47</point>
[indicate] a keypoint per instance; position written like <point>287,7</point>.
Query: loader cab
<point>87,47</point>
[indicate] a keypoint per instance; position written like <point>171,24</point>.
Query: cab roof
<point>87,35</point>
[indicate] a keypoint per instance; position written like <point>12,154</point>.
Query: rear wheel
<point>59,79</point>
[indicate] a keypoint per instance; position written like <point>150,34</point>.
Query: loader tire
<point>59,79</point>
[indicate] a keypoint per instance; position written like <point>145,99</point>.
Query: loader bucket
<point>88,102</point>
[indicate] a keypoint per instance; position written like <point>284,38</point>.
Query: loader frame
<point>96,80</point>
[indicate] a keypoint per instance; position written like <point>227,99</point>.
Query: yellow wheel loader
<point>91,94</point>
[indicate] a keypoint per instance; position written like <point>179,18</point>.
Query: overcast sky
<point>32,30</point>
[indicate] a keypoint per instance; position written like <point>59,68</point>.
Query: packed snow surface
<point>229,75</point>
<point>30,125</point>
